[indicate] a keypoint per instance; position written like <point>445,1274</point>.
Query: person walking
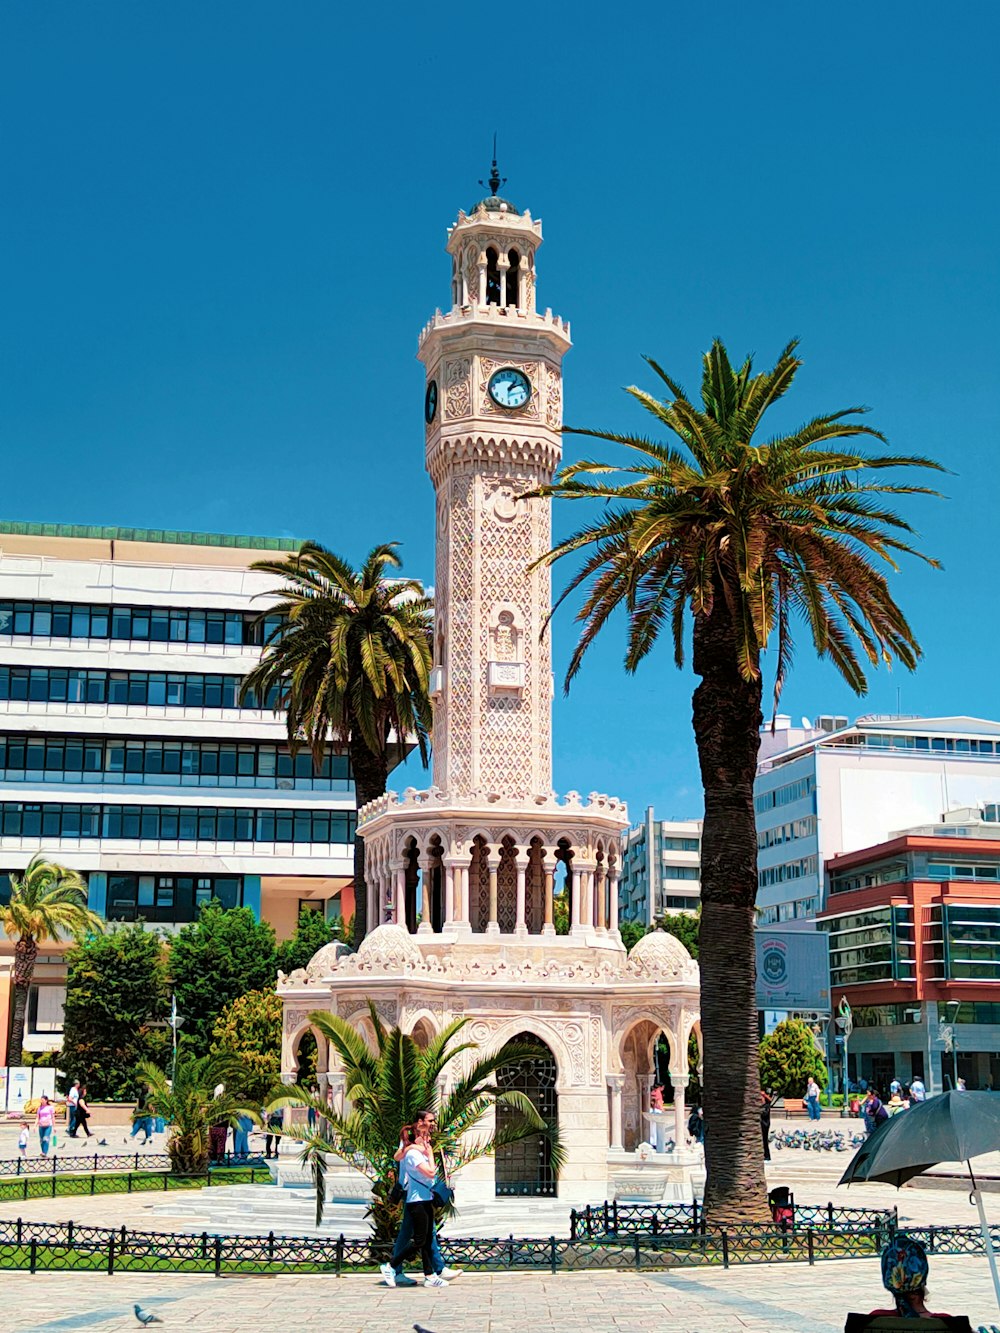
<point>765,1123</point>
<point>83,1113</point>
<point>45,1119</point>
<point>873,1111</point>
<point>22,1140</point>
<point>918,1092</point>
<point>417,1172</point>
<point>273,1121</point>
<point>812,1099</point>
<point>72,1097</point>
<point>241,1136</point>
<point>392,1272</point>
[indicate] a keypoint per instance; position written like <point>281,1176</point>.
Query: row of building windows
<point>673,844</point>
<point>788,870</point>
<point>778,796</point>
<point>169,898</point>
<point>876,945</point>
<point>963,942</point>
<point>886,1015</point>
<point>799,909</point>
<point>680,872</point>
<point>982,870</point>
<point>41,758</point>
<point>874,740</point>
<point>186,823</point>
<point>155,624</point>
<point>782,833</point>
<point>969,1011</point>
<point>173,689</point>
<point>847,882</point>
<point>674,902</point>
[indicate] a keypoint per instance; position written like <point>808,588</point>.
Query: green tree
<point>189,1103</point>
<point>560,912</point>
<point>350,662</point>
<point>115,988</point>
<point>47,902</point>
<point>312,931</point>
<point>748,533</point>
<point>685,925</point>
<point>388,1089</point>
<point>249,1031</point>
<point>214,960</point>
<point>788,1058</point>
<point>632,932</point>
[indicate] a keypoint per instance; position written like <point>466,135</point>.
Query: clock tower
<point>493,413</point>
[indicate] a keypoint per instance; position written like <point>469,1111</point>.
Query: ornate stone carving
<point>661,957</point>
<point>294,1018</point>
<point>388,948</point>
<point>532,411</point>
<point>458,388</point>
<point>553,398</point>
<point>326,959</point>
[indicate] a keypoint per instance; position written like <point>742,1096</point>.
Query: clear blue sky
<point>223,224</point>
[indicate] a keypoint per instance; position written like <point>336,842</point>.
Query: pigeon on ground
<point>102,1143</point>
<point>144,1317</point>
<point>420,1328</point>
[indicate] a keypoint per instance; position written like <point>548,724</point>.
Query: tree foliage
<point>388,1089</point>
<point>788,1057</point>
<point>116,986</point>
<point>745,537</point>
<point>190,1104</point>
<point>47,902</point>
<point>632,932</point>
<point>312,931</point>
<point>685,925</point>
<point>249,1031</point>
<point>213,961</point>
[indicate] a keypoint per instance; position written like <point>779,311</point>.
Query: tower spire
<point>495,181</point>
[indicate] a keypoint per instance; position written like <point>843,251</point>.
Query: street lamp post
<point>954,1005</point>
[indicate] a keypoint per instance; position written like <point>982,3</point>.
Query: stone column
<point>646,1131</point>
<point>613,904</point>
<point>576,924</point>
<point>426,865</point>
<point>464,915</point>
<point>482,278</point>
<point>521,925</point>
<point>549,867</point>
<point>493,925</point>
<point>398,869</point>
<point>588,897</point>
<point>600,904</point>
<point>371,898</point>
<point>679,1082</point>
<point>449,891</point>
<point>503,266</point>
<point>616,1082</point>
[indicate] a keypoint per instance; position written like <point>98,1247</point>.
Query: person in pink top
<point>45,1118</point>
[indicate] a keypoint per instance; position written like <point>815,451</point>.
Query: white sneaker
<point>450,1274</point>
<point>388,1274</point>
<point>434,1281</point>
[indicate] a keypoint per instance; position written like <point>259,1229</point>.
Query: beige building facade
<point>465,879</point>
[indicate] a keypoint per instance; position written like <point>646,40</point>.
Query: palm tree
<point>750,537</point>
<point>48,902</point>
<point>350,661</point>
<point>389,1088</point>
<point>189,1102</point>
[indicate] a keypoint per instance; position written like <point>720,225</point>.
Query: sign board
<point>43,1083</point>
<point>18,1088</point>
<point>793,969</point>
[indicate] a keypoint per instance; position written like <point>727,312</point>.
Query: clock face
<point>509,388</point>
<point>431,402</point>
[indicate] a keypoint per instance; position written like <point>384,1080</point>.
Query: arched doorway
<point>525,1167</point>
<point>306,1058</point>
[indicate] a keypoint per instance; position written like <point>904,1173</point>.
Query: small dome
<point>661,956</point>
<point>388,948</point>
<point>494,204</point>
<point>326,959</point>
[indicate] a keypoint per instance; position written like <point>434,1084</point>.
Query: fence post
<point>137,1161</point>
<point>69,1232</point>
<point>809,1245</point>
<point>95,1161</point>
<point>340,1254</point>
<point>18,1171</point>
<point>111,1253</point>
<point>553,1254</point>
<point>20,1231</point>
<point>614,1213</point>
<point>606,1217</point>
<point>33,1255</point>
<point>638,1252</point>
<point>725,1249</point>
<point>24,1189</point>
<point>590,1225</point>
<point>129,1179</point>
<point>218,1255</point>
<point>166,1177</point>
<point>829,1215</point>
<point>93,1180</point>
<point>930,1237</point>
<point>572,1224</point>
<point>694,1216</point>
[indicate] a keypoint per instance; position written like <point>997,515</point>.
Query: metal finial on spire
<point>495,180</point>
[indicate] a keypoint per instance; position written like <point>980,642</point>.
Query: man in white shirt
<point>917,1090</point>
<point>72,1101</point>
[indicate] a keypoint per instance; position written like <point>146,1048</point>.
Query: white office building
<point>661,868</point>
<point>833,787</point>
<point>124,753</point>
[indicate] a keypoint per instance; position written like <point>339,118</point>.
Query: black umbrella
<point>952,1127</point>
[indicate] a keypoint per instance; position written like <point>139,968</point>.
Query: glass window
<point>98,622</point>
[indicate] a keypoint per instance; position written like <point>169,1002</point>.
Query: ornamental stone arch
<point>549,1033</point>
<point>422,1026</point>
<point>639,1015</point>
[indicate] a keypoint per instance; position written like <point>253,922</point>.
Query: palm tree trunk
<point>25,953</point>
<point>371,773</point>
<point>727,720</point>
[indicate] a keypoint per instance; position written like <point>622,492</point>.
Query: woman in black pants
<point>418,1170</point>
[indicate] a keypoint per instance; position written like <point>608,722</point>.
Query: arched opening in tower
<point>492,277</point>
<point>525,1167</point>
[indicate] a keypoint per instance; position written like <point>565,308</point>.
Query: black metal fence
<point>47,1246</point>
<point>55,1165</point>
<point>125,1182</point>
<point>612,1219</point>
